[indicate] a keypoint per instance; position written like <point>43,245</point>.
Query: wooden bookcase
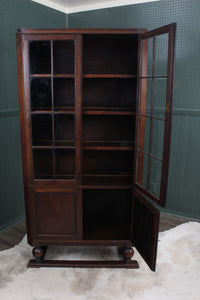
<point>95,114</point>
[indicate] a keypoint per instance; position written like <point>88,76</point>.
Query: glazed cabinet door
<point>52,114</point>
<point>154,111</point>
<point>55,215</point>
<point>153,131</point>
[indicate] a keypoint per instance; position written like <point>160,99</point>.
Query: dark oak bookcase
<point>95,116</point>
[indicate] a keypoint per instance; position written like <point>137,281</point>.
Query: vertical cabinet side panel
<point>22,115</point>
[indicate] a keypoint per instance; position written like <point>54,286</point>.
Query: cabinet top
<point>81,31</point>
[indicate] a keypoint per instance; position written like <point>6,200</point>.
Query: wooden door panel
<point>145,229</point>
<point>56,215</point>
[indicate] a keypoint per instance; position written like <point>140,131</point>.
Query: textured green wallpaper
<point>184,188</point>
<point>15,14</point>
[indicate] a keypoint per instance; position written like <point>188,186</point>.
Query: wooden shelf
<point>101,180</point>
<point>108,144</point>
<point>109,75</point>
<point>108,112</point>
<point>107,148</point>
<point>106,231</point>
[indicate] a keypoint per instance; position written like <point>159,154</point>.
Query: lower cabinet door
<point>55,215</point>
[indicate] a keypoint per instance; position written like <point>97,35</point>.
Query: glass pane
<point>142,169</point>
<point>63,57</point>
<point>64,130</point>
<point>43,163</point>
<point>147,66</point>
<point>65,163</point>
<point>150,57</point>
<point>41,130</point>
<point>64,93</point>
<point>144,133</point>
<point>145,96</point>
<point>40,57</point>
<point>41,94</point>
<point>155,177</point>
<point>158,138</point>
<point>160,90</point>
<point>161,54</point>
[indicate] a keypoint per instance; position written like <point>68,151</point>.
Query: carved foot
<point>39,253</point>
<point>127,254</point>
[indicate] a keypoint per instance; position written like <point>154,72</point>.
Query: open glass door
<point>154,111</point>
<point>153,131</point>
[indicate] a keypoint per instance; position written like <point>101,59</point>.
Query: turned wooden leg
<point>39,253</point>
<point>127,254</point>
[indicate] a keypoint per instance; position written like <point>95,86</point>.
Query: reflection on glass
<point>145,96</point>
<point>144,133</point>
<point>161,54</point>
<point>63,93</point>
<point>63,57</point>
<point>150,57</point>
<point>155,177</point>
<point>142,169</point>
<point>147,65</point>
<point>160,89</point>
<point>40,94</point>
<point>41,130</point>
<point>158,138</point>
<point>43,163</point>
<point>40,57</point>
<point>65,163</point>
<point>64,130</point>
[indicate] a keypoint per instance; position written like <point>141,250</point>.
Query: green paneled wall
<point>13,15</point>
<point>184,187</point>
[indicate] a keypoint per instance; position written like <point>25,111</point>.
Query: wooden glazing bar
<point>64,112</point>
<point>40,75</point>
<point>151,155</point>
<point>140,109</point>
<point>152,111</point>
<point>78,105</point>
<point>40,112</point>
<point>63,75</point>
<point>158,31</point>
<point>53,147</point>
<point>52,103</point>
<point>151,117</point>
<point>168,113</point>
<point>155,76</point>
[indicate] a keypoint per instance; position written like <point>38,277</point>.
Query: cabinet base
<point>133,264</point>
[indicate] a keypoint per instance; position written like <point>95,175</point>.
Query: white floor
<point>177,276</point>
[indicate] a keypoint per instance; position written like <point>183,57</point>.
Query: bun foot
<point>127,254</point>
<point>39,253</point>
